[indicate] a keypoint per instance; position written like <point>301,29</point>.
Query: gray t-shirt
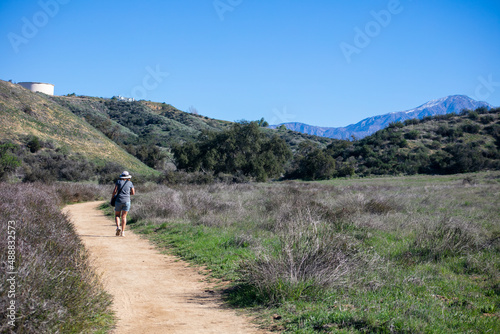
<point>124,195</point>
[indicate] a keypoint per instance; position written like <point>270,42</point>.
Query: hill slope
<point>443,144</point>
<point>136,135</point>
<point>152,123</point>
<point>23,113</point>
<point>368,126</point>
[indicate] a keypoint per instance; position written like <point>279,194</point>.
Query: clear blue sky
<point>323,62</point>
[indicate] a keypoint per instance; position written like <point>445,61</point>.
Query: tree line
<point>443,144</point>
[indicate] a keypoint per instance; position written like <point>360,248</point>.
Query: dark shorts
<point>122,206</point>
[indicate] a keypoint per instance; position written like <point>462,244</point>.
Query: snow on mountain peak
<point>445,105</point>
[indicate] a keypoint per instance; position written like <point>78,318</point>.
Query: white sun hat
<point>125,175</point>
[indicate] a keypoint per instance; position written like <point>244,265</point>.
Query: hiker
<point>123,189</point>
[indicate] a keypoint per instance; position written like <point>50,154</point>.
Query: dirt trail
<point>153,292</point>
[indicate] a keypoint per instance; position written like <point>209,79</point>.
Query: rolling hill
<point>153,123</point>
<point>441,144</point>
<point>135,135</point>
<point>24,114</point>
<point>139,136</point>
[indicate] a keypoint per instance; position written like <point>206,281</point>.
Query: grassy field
<point>414,254</point>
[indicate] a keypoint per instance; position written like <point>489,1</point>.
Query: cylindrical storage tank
<point>41,87</point>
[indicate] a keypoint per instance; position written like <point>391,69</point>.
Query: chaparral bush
<point>56,290</point>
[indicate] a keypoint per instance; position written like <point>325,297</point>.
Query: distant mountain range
<point>445,105</point>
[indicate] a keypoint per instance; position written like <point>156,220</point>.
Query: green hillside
<point>154,123</point>
<point>143,136</point>
<point>71,136</point>
<point>148,130</point>
<point>445,144</point>
<point>24,114</point>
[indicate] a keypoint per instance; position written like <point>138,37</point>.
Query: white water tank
<point>41,87</point>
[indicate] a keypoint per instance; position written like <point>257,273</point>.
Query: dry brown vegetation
<point>386,247</point>
<point>56,289</point>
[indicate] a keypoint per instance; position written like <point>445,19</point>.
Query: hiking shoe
<point>122,233</point>
<point>118,232</point>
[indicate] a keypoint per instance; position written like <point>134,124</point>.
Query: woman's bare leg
<point>124,220</point>
<point>117,221</point>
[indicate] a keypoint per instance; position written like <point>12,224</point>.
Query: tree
<point>263,123</point>
<point>243,149</point>
<point>312,163</point>
<point>8,161</point>
<point>34,144</point>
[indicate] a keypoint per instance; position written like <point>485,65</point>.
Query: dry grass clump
<point>447,237</point>
<point>155,207</point>
<point>78,192</point>
<point>56,289</point>
<point>335,205</point>
<point>307,257</point>
<point>211,205</point>
<point>372,202</point>
<point>283,203</point>
<point>308,251</point>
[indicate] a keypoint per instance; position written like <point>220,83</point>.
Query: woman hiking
<point>123,189</point>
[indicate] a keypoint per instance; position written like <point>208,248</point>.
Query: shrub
<point>57,291</point>
<point>181,177</point>
<point>446,131</point>
<point>109,172</point>
<point>413,121</point>
<point>315,165</point>
<point>413,134</point>
<point>307,258</point>
<point>487,119</point>
<point>465,158</point>
<point>446,237</point>
<point>474,115</point>
<point>38,174</point>
<point>471,128</point>
<point>8,161</point>
<point>77,192</point>
<point>163,204</point>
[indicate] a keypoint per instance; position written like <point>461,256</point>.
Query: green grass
<point>217,249</point>
<point>422,253</point>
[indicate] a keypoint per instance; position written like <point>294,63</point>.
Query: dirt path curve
<point>153,292</point>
